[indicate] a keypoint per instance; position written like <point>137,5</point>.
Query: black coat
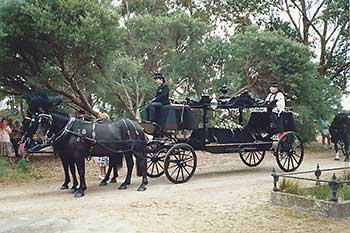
<point>162,95</point>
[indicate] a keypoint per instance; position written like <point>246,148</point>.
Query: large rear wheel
<point>289,152</point>
<point>180,163</point>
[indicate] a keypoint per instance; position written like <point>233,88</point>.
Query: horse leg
<point>115,174</point>
<point>118,164</point>
<point>110,166</point>
<point>336,151</point>
<point>66,174</point>
<point>130,165</point>
<point>346,145</point>
<point>74,176</point>
<point>141,162</point>
<point>80,162</point>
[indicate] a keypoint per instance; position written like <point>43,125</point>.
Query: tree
<point>155,43</point>
<point>259,58</point>
<point>58,45</point>
<point>327,23</point>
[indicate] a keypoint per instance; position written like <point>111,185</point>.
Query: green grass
<point>321,192</point>
<point>12,171</point>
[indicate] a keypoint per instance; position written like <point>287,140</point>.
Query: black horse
<point>78,138</point>
<point>28,129</point>
<point>340,134</point>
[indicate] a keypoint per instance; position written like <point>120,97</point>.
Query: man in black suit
<point>161,98</point>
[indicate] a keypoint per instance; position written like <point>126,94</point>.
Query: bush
<point>23,166</point>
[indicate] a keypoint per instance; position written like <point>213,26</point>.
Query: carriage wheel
<point>341,146</point>
<point>252,158</point>
<point>289,152</point>
<point>155,159</point>
<point>180,163</point>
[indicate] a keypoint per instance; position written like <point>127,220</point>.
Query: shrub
<point>23,166</point>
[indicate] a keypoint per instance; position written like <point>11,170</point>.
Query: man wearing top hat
<point>276,96</point>
<point>161,98</point>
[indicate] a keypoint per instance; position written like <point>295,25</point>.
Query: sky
<point>346,102</point>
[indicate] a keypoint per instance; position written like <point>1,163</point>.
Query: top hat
<point>159,75</point>
<point>274,84</point>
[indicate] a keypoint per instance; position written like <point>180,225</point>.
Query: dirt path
<point>223,196</point>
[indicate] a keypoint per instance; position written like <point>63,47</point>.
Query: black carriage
<point>177,135</point>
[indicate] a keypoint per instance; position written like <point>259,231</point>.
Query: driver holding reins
<point>161,98</point>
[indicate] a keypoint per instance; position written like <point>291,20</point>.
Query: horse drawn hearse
<point>177,135</point>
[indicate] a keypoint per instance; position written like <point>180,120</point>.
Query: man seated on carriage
<point>276,110</point>
<point>161,98</point>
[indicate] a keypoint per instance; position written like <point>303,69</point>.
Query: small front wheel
<point>289,152</point>
<point>180,163</point>
<point>155,159</point>
<point>252,158</point>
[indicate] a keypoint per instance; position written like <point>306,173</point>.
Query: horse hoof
<point>103,183</point>
<point>142,188</point>
<point>73,190</point>
<point>346,160</point>
<point>79,194</point>
<point>64,186</point>
<point>113,181</point>
<point>123,186</point>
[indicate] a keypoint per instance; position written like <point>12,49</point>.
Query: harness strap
<point>64,131</point>
<point>136,131</point>
<point>127,128</point>
<point>93,133</point>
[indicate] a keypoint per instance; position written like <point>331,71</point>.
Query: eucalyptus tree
<point>259,58</point>
<point>324,25</point>
<point>58,45</point>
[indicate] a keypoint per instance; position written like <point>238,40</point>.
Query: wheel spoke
<point>150,164</point>
<point>254,156</point>
<point>294,159</point>
<point>285,160</point>
<point>174,171</point>
<point>182,174</point>
<point>297,146</point>
<point>291,158</point>
<point>152,168</point>
<point>178,173</point>
<point>157,168</point>
<point>189,159</point>
<point>160,165</point>
<point>175,165</point>
<point>187,171</point>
